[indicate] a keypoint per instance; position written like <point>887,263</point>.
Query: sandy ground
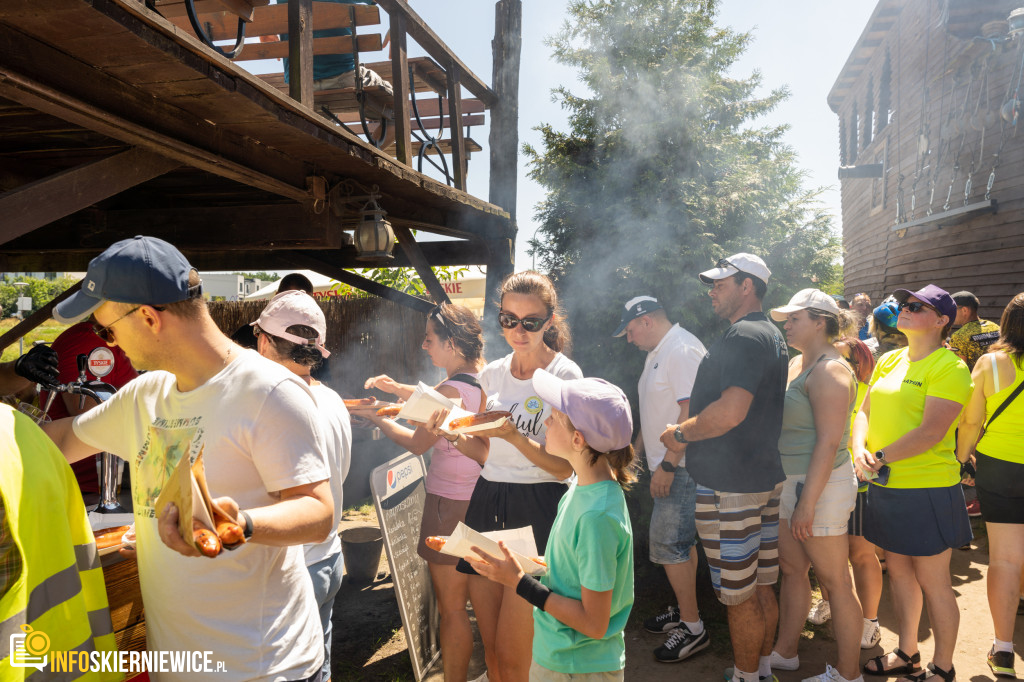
<point>369,643</point>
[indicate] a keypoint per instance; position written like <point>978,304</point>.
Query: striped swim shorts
<point>740,535</point>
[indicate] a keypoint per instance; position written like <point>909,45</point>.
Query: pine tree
<point>662,172</point>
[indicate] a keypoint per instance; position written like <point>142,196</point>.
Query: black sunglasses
<point>530,324</point>
<point>107,333</point>
<point>915,306</point>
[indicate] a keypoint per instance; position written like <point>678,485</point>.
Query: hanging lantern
<point>374,237</point>
<point>1016,21</point>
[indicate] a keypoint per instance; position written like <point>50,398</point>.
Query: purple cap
<point>933,296</point>
<point>599,410</point>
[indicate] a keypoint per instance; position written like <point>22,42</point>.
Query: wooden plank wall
<point>982,254</point>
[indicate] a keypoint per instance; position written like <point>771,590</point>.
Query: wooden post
<point>300,51</point>
<point>36,318</point>
<point>504,143</point>
<point>455,125</point>
<point>402,87</point>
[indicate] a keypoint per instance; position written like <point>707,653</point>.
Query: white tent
<point>467,289</point>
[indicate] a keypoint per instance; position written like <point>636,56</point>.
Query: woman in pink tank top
<point>454,342</point>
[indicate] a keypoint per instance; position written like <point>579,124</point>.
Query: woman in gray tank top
<point>820,488</point>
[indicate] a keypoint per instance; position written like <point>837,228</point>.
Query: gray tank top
<point>796,442</point>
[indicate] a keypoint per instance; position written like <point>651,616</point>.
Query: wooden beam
<point>33,94</point>
<point>436,48</point>
<point>338,45</point>
<point>458,139</point>
<point>328,269</point>
<point>43,201</point>
<point>273,19</point>
<point>35,319</point>
<point>300,51</point>
<point>400,83</point>
<point>412,251</point>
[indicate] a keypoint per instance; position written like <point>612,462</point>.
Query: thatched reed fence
<point>366,337</point>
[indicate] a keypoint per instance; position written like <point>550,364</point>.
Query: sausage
<point>479,418</point>
<point>360,402</point>
<point>389,411</point>
<point>205,539</point>
<point>539,561</point>
<point>230,533</point>
<point>109,537</point>
<point>435,542</point>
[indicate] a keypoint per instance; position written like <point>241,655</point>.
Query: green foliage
<point>663,172</point>
<point>403,279</point>
<point>261,275</point>
<point>42,292</point>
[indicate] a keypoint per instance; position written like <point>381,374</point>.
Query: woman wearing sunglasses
<point>521,483</point>
<point>454,342</point>
<point>998,406</point>
<point>820,488</point>
<point>915,511</point>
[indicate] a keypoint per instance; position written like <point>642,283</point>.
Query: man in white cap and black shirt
<point>731,447</point>
<point>259,430</point>
<point>673,355</point>
<point>292,331</point>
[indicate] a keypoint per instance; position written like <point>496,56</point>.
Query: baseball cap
<point>634,308</point>
<point>294,307</point>
<point>740,262</point>
<point>142,270</point>
<point>599,410</point>
<point>886,312</point>
<point>934,296</point>
<point>814,299</point>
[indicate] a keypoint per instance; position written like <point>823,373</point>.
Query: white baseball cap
<point>740,262</point>
<point>813,299</point>
<point>290,308</point>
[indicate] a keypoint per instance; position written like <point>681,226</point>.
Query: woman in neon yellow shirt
<point>1000,480</point>
<point>903,439</point>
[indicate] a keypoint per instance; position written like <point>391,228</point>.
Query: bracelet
<point>454,441</point>
<point>247,531</point>
<point>533,591</point>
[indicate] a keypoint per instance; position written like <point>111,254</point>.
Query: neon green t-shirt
<point>898,391</point>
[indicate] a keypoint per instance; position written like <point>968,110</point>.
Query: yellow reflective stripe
<point>55,590</point>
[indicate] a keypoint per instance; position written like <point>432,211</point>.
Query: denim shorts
<point>673,528</point>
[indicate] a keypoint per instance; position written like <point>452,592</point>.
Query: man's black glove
<point>39,366</point>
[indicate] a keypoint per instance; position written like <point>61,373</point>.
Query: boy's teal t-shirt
<point>591,545</point>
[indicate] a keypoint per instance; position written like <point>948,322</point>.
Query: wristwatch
<point>247,529</point>
<point>880,455</point>
<point>667,466</point>
<point>678,435</point>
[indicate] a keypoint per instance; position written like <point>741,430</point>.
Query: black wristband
<point>247,531</point>
<point>531,589</point>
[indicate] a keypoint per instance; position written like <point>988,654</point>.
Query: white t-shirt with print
<point>505,464</point>
<point>260,433</point>
<point>667,379</point>
<point>337,428</point>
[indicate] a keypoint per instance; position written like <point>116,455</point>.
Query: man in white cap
<point>291,331</point>
<point>731,446</point>
<point>673,355</point>
<point>258,428</point>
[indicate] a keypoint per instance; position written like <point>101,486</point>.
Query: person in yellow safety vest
<point>52,593</point>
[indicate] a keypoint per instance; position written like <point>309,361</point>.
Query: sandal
<point>911,666</point>
<point>936,671</point>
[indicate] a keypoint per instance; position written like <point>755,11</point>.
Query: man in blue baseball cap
<point>256,424</point>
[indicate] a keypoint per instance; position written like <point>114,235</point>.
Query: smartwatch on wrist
<point>667,466</point>
<point>247,529</point>
<point>678,435</point>
<point>880,455</point>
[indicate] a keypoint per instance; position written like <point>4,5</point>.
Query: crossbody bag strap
<point>1006,403</point>
<point>466,379</point>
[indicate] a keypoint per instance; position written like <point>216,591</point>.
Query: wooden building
<point>124,117</point>
<point>932,175</point>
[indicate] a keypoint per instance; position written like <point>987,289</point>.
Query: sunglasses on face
<point>107,333</point>
<point>914,307</point>
<point>530,324</point>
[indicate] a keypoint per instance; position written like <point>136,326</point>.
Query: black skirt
<point>1000,486</point>
<point>916,521</point>
<point>501,506</point>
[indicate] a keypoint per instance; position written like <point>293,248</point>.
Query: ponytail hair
<point>623,463</point>
<point>458,324</point>
<point>557,337</point>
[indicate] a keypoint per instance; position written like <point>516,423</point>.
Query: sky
<point>799,44</point>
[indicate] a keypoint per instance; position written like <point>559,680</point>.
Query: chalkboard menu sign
<point>398,494</point>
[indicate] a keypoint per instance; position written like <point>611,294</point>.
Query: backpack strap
<point>466,379</point>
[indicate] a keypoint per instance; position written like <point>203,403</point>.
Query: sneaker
<point>663,622</point>
<point>780,662</point>
<point>482,678</point>
<point>681,644</point>
<point>820,612</point>
<point>1001,663</point>
<point>974,509</point>
<point>728,677</point>
<point>872,634</point>
<point>832,675</point>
